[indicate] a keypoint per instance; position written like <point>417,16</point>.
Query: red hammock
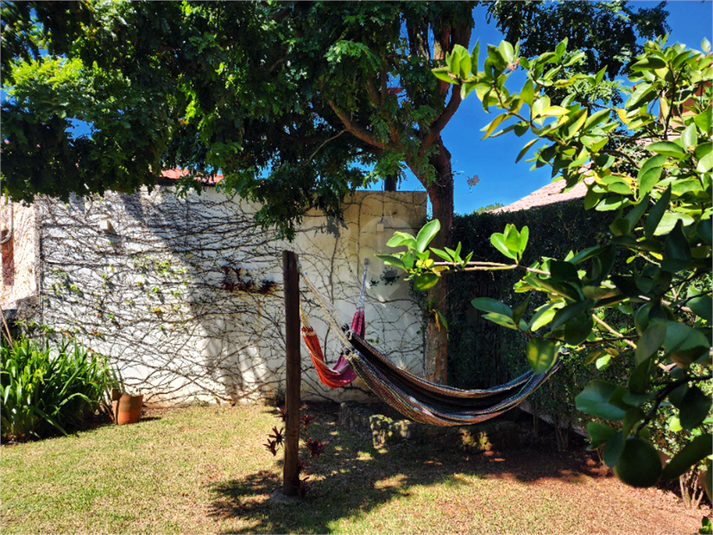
<point>341,374</point>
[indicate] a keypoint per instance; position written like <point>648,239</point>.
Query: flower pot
<point>128,409</point>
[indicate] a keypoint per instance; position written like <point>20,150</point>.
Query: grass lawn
<point>205,470</point>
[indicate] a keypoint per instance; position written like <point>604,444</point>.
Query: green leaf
<point>525,149</point>
<point>704,120</point>
<point>667,148</point>
<point>650,341</point>
<point>486,304</point>
<point>692,453</point>
<point>694,408</point>
<point>613,450</point>
<point>563,271</point>
<point>650,173</point>
<point>639,378</point>
<point>677,252</point>
<point>684,343</point>
<point>426,234</point>
<point>656,213</point>
<point>599,434</point>
<point>570,311</point>
<point>401,239</point>
<point>689,138</point>
<point>443,73</point>
<point>595,400</point>
<point>507,51</point>
<point>528,92</point>
<point>501,320</point>
<point>489,129</point>
<point>391,260</point>
<point>648,63</point>
<point>541,354</point>
<point>425,281</point>
<point>544,315</point>
<point>474,56</point>
<point>676,397</point>
<point>631,418</point>
<point>578,329</point>
<point>702,306</point>
<point>440,317</point>
<point>575,122</point>
<point>499,242</point>
<point>595,119</point>
<point>442,254</point>
<point>704,229</point>
<point>705,164</point>
<point>600,76</point>
<point>520,310</point>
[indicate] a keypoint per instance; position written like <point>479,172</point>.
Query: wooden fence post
<point>293,372</point>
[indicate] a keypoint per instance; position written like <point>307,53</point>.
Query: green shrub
<point>481,353</point>
<point>44,389</point>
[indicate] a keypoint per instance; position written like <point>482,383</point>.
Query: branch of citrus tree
<point>617,334</point>
<point>625,156</point>
<point>665,391</point>
<point>488,266</point>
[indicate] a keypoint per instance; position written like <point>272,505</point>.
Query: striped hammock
<point>421,400</point>
<point>342,373</point>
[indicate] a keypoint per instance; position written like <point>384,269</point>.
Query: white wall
<point>18,263</point>
<point>149,292</point>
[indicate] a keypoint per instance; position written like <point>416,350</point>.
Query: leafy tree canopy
<point>609,33</point>
<point>291,102</point>
<point>297,103</point>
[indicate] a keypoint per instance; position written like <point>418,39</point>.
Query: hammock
<point>341,374</point>
<point>419,399</point>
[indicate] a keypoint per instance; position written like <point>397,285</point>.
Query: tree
<point>609,33</point>
<point>297,104</point>
<point>650,161</point>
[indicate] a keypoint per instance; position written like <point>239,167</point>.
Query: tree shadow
<point>353,478</point>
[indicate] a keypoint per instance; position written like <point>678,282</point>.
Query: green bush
<point>481,353</point>
<point>45,389</point>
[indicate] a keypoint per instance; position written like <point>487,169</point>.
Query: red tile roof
<point>550,194</point>
<point>175,174</point>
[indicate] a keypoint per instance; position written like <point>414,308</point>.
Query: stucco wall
<point>18,255</point>
<point>142,279</point>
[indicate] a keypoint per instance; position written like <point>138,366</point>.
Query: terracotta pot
<point>129,409</point>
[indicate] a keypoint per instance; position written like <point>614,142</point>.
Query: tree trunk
<point>440,192</point>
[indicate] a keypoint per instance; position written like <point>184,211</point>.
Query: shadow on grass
<point>353,478</point>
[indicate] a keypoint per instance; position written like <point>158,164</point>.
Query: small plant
<point>314,447</point>
<point>238,279</point>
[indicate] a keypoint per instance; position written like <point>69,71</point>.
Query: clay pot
<point>128,410</point>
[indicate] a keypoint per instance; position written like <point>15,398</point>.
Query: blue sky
<point>493,160</point>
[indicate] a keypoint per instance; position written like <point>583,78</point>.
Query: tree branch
<point>355,129</point>
<point>442,120</point>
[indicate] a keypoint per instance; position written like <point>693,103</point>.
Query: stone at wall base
<point>386,431</point>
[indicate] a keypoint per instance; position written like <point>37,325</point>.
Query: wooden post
<point>293,371</point>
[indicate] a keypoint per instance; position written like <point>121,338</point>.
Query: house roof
<point>175,174</point>
<point>550,194</point>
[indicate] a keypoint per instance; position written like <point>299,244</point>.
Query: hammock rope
<point>342,373</point>
<point>421,400</point>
